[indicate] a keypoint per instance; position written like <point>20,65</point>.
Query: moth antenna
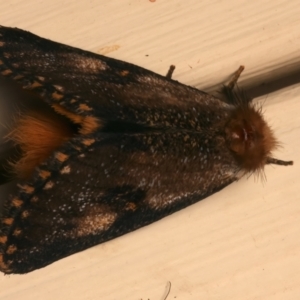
<point>275,161</point>
<point>233,81</point>
<point>170,72</point>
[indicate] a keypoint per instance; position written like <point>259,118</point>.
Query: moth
<point>114,148</point>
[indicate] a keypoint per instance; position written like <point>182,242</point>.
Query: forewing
<point>80,198</point>
<point>87,83</point>
<point>157,152</point>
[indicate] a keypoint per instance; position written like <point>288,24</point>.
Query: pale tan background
<point>242,243</point>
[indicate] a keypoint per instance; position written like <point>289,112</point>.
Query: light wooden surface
<point>241,243</point>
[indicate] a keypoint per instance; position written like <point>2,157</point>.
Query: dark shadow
<point>266,83</point>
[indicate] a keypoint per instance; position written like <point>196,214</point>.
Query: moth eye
<point>244,137</point>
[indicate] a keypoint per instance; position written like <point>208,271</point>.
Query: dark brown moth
<point>116,148</point>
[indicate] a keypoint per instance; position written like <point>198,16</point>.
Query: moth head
<point>249,138</point>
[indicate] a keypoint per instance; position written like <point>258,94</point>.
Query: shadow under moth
<point>114,148</point>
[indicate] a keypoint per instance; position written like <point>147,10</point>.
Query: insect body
<point>117,147</point>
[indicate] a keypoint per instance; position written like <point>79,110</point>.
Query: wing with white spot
<point>88,196</point>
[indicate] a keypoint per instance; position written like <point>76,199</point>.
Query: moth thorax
<point>249,138</point>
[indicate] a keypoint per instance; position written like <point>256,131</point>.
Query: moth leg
<point>275,161</point>
<point>235,78</point>
<point>232,93</point>
<point>170,72</point>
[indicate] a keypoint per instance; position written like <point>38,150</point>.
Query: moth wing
<point>87,83</point>
<point>100,184</point>
<point>82,197</point>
